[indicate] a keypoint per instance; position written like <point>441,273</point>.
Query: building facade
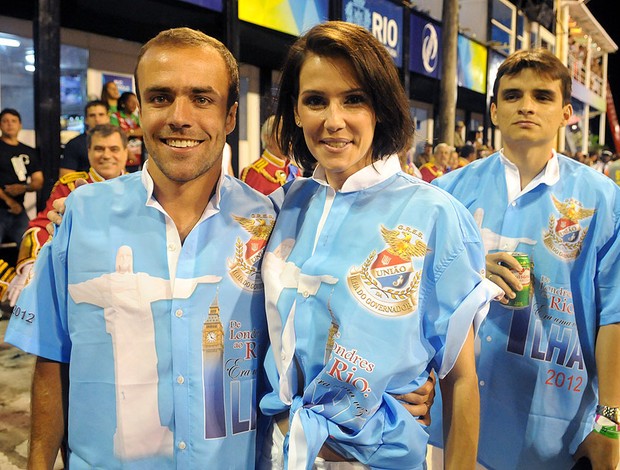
<point>99,41</point>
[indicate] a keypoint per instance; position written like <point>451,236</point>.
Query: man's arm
<point>14,206</point>
<point>49,398</point>
<point>461,409</point>
<point>603,451</point>
<point>36,183</point>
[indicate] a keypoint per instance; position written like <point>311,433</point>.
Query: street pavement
<point>15,377</point>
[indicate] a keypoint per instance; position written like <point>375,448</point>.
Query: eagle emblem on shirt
<point>244,268</point>
<point>564,235</point>
<point>387,282</point>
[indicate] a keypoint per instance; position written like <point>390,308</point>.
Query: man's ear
<point>493,113</point>
<point>567,113</point>
<point>231,118</point>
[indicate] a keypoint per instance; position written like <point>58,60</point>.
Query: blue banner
<point>216,5</point>
<point>383,19</point>
<point>425,47</point>
<point>472,65</point>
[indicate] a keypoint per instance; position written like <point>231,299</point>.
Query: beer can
<point>522,297</point>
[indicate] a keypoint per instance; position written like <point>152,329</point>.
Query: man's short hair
<point>105,130</point>
<point>11,111</point>
<point>540,60</point>
<point>467,150</point>
<point>186,37</point>
<point>440,146</point>
<point>93,103</point>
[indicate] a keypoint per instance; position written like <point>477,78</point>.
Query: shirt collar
<point>212,207</point>
<point>271,158</point>
<point>368,176</point>
<point>549,176</point>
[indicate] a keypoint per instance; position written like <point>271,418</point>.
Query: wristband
<point>606,427</point>
<point>610,412</point>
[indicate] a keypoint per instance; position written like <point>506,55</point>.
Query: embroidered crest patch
<point>244,268</point>
<point>387,283</point>
<point>564,236</point>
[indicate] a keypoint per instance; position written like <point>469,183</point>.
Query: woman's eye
<point>356,99</point>
<point>313,101</point>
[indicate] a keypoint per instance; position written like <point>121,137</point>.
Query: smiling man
<point>549,373</point>
<point>107,155</point>
<point>75,154</point>
<point>187,348</point>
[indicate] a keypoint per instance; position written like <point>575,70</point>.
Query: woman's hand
<point>419,402</point>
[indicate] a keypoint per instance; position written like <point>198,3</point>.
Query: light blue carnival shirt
<point>367,289</point>
<point>164,340</point>
<point>536,366</point>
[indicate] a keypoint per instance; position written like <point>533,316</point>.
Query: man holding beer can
<point>549,356</point>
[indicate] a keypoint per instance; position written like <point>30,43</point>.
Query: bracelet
<point>610,412</point>
<point>606,427</point>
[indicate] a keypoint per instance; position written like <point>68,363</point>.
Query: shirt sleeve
<point>459,294</point>
<point>608,274</point>
<point>39,322</point>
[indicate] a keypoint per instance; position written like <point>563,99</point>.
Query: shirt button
<point>305,294</point>
<point>182,445</point>
<point>514,203</point>
<point>283,357</point>
<point>179,313</point>
<point>180,379</point>
<point>489,339</point>
<point>482,383</point>
<point>172,247</point>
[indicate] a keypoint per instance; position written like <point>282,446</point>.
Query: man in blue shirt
<point>548,373</point>
<point>151,291</point>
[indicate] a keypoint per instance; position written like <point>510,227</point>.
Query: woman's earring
<point>298,122</point>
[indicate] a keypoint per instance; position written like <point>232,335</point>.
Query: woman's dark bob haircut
<point>376,73</point>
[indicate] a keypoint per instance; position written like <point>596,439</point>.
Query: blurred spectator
<point>453,160</point>
<point>110,95</point>
<point>127,118</point>
<point>18,163</point>
<point>478,138</point>
<point>594,160</point>
<point>75,154</point>
<point>437,167</point>
<point>426,155</point>
<point>483,152</point>
<point>273,168</point>
<point>579,156</point>
<point>459,134</point>
<point>613,170</point>
<point>605,159</point>
<point>107,155</point>
<point>467,154</point>
<point>406,157</point>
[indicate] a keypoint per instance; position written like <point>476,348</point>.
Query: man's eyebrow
<point>511,90</point>
<point>203,90</point>
<point>194,90</point>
